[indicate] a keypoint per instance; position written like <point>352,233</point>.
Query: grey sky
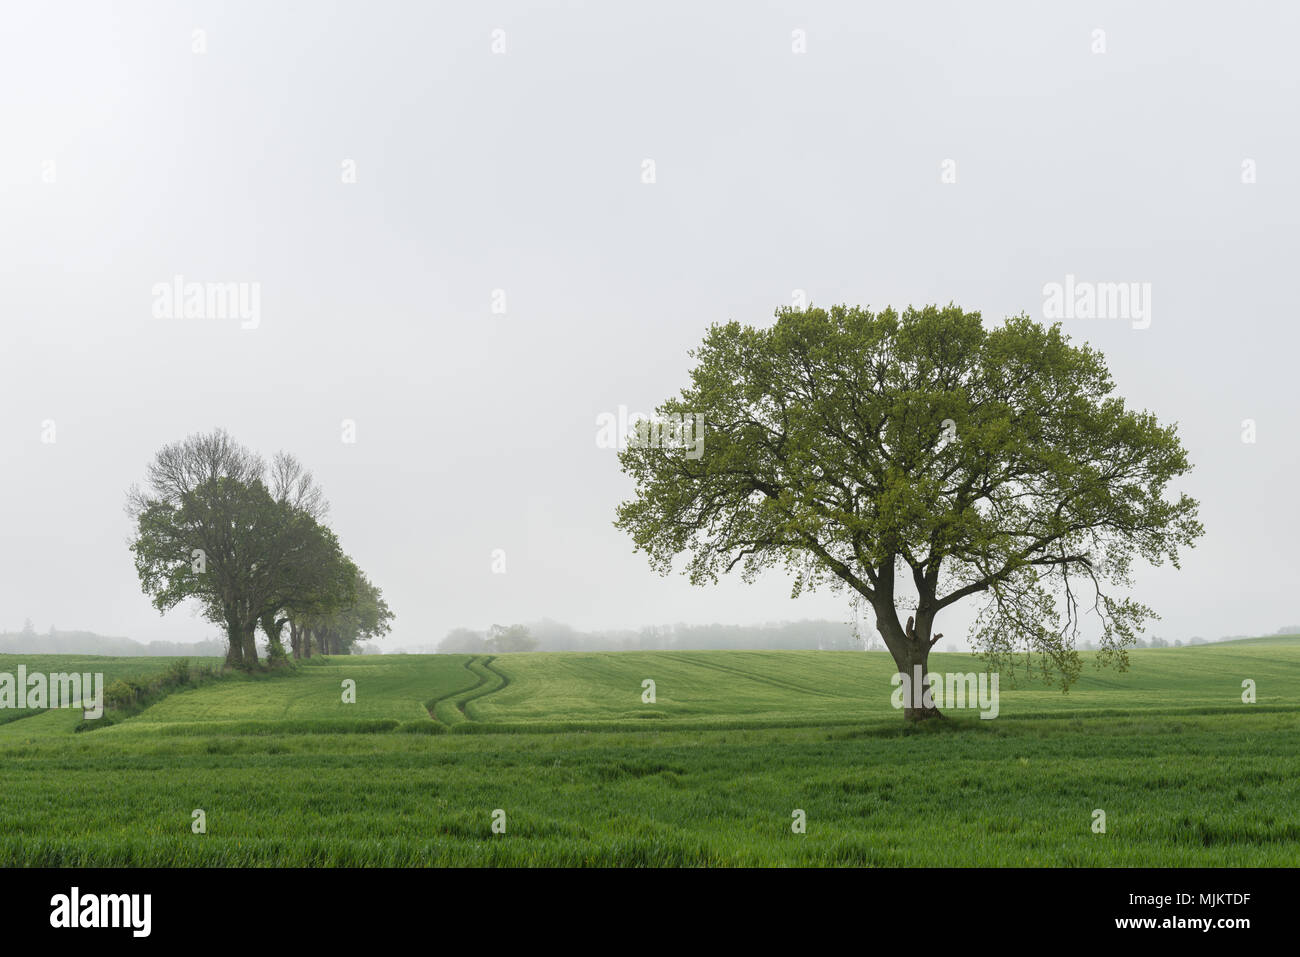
<point>521,171</point>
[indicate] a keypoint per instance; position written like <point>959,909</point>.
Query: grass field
<point>111,668</point>
<point>710,773</point>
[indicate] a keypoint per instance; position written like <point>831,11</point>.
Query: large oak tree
<point>918,459</point>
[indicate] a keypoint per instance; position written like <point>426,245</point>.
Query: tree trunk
<point>306,642</point>
<point>916,666</point>
<point>273,629</point>
<point>250,646</point>
<point>235,645</point>
<point>910,647</point>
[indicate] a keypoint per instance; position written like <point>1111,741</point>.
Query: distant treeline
<point>823,635</point>
<point>88,643</point>
<point>545,635</point>
<point>548,635</point>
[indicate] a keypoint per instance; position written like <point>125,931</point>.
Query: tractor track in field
<point>505,681</point>
<point>477,692</point>
<point>432,706</point>
<point>463,697</point>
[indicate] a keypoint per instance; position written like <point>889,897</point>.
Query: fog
<point>459,265</point>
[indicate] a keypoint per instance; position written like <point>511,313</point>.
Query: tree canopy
<point>917,459</point>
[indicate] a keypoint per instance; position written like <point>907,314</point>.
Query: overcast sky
<point>797,146</point>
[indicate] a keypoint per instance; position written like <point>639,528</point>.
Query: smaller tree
<point>337,624</point>
<point>209,530</point>
<point>319,580</point>
<point>322,573</point>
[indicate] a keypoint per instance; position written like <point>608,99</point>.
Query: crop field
<point>563,752</point>
<point>111,668</point>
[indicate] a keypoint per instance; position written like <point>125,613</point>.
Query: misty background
<point>515,178</point>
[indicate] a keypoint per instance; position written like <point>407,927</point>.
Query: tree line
<point>499,639</point>
<point>249,543</point>
<point>548,635</point>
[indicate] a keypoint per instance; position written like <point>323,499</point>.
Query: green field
<point>112,668</point>
<point>708,774</point>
